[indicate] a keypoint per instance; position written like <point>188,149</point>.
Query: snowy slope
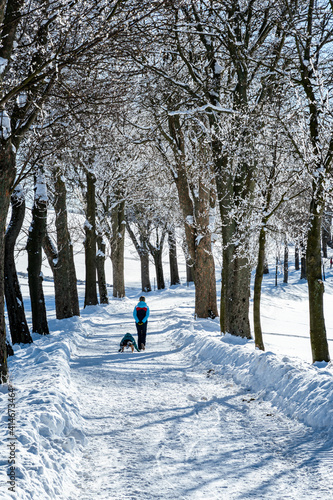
<point>167,424</point>
<point>48,425</point>
<point>195,416</point>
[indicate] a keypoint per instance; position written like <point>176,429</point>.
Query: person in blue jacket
<point>141,315</point>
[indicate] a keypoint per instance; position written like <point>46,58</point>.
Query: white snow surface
<point>194,416</point>
<point>5,126</point>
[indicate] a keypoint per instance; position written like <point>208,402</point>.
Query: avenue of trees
<point>174,124</point>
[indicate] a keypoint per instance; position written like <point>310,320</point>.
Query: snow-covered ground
<point>195,416</point>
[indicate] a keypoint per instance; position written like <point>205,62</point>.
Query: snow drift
<point>302,391</point>
<point>47,420</point>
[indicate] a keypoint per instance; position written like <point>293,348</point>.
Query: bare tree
<point>311,73</point>
<point>15,307</point>
<point>36,236</point>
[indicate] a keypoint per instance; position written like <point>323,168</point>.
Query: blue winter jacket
<point>141,312</point>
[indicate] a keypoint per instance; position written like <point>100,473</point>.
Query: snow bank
<point>47,441</point>
<point>302,391</point>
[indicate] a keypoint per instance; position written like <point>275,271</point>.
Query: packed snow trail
<point>160,425</point>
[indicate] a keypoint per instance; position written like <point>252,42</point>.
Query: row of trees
<point>168,113</point>
<point>47,50</point>
<point>242,91</point>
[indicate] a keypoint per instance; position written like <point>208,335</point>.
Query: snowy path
<point>159,425</point>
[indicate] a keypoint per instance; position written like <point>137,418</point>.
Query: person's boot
<point>142,347</point>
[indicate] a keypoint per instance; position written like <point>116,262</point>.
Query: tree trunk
<point>296,257</point>
<point>157,253</point>
<point>319,344</point>
<point>276,270</point>
<point>303,261</point>
<point>205,283</point>
<point>7,177</point>
<point>67,302</point>
<point>231,191</point>
<point>143,252</point>
<point>118,248</point>
<point>10,350</point>
<point>188,262</point>
<point>157,256</point>
<point>144,263</point>
<point>15,308</point>
<point>196,218</point>
<point>204,269</point>
<point>100,265</point>
<point>285,262</point>
<point>189,272</point>
<point>236,272</point>
<point>236,295</point>
<point>52,257</point>
<point>90,298</point>
<point>258,338</point>
<point>61,259</point>
<point>266,268</point>
<point>174,274</point>
<point>36,236</point>
<point>326,233</point>
<point>324,243</point>
<point>200,259</point>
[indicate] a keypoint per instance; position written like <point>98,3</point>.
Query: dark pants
<point>142,332</point>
